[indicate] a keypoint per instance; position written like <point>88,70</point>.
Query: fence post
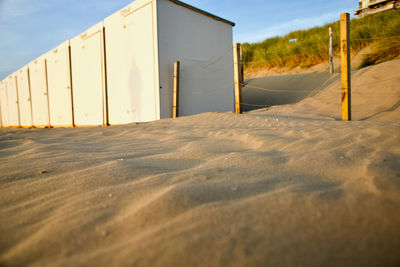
<point>331,51</point>
<point>237,71</point>
<point>345,65</point>
<point>175,104</point>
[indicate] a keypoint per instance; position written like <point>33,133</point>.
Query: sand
<point>291,185</point>
<point>282,89</point>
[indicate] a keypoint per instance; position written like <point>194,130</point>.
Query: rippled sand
<point>288,186</point>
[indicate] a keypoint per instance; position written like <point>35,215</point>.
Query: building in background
<point>367,7</point>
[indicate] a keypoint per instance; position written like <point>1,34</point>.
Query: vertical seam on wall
<point>102,55</point>
<point>70,84</point>
<point>105,76</point>
<point>154,63</point>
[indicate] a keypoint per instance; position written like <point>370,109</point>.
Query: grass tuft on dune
<point>381,30</point>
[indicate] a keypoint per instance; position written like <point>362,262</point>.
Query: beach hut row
<point>121,70</point>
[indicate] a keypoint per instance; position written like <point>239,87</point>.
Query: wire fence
<point>255,105</point>
<point>364,89</point>
<point>358,89</point>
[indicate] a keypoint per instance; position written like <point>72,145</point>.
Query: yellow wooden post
<point>237,76</point>
<point>345,64</point>
<point>175,104</point>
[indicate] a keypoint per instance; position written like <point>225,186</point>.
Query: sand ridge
<point>291,185</point>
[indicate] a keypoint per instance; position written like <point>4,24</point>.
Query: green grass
<point>311,47</point>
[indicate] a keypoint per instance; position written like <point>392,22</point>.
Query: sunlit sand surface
<point>291,185</point>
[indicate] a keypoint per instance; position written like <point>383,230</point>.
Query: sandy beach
<point>289,185</point>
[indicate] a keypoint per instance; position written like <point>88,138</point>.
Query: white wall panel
<point>24,97</point>
<point>12,99</point>
<point>3,104</point>
<point>38,82</point>
<point>203,45</point>
<point>1,119</point>
<point>132,80</point>
<point>59,86</point>
<point>88,77</point>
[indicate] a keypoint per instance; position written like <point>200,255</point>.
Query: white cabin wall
<point>132,79</point>
<point>1,117</point>
<point>59,85</point>
<point>12,99</point>
<point>4,104</point>
<point>39,98</point>
<point>203,45</point>
<point>24,97</point>
<point>88,77</point>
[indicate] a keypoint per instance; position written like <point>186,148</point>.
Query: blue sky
<point>29,28</point>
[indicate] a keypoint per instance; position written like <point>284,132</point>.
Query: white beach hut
<point>3,104</point>
<point>24,97</point>
<point>121,70</point>
<point>59,86</point>
<point>131,49</point>
<point>1,119</point>
<point>12,100</point>
<point>39,92</point>
<point>88,77</point>
<point>142,42</point>
<point>202,43</point>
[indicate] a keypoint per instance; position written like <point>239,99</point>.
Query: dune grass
<point>381,30</point>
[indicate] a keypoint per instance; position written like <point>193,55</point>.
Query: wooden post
<point>237,76</point>
<point>346,67</point>
<point>331,51</point>
<point>175,104</point>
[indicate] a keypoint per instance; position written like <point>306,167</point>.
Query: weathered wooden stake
<point>346,67</point>
<point>331,51</point>
<point>175,104</point>
<point>237,73</point>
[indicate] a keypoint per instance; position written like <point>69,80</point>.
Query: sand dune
<point>356,60</point>
<point>291,185</point>
<point>282,89</point>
